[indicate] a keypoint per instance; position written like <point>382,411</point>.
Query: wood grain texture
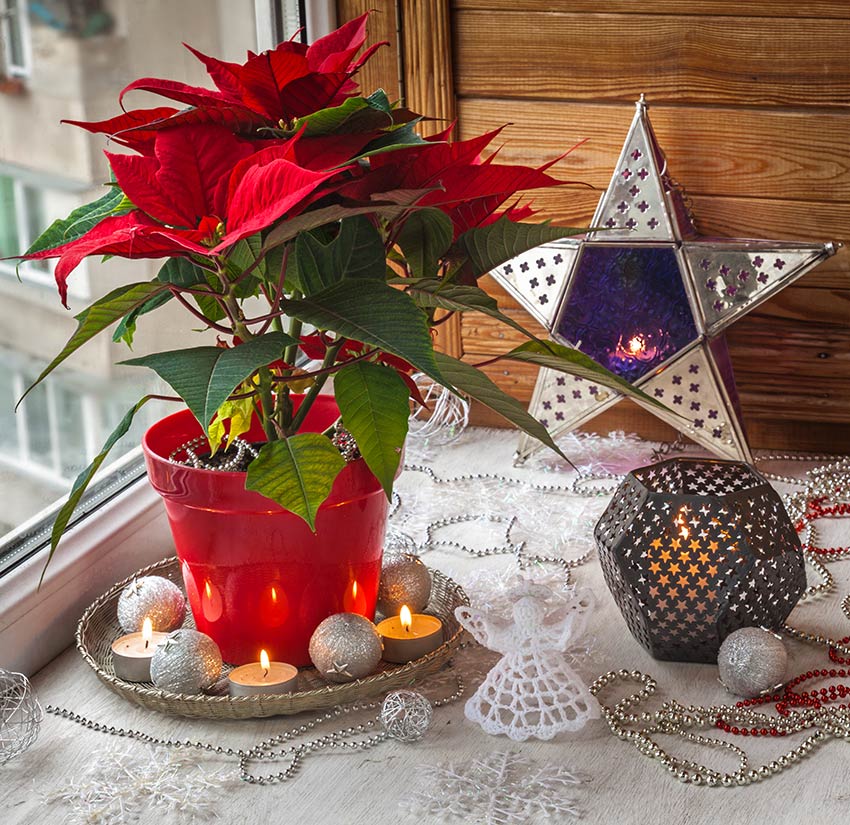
<point>757,61</point>
<point>731,8</point>
<point>730,151</point>
<point>429,89</point>
<point>382,69</point>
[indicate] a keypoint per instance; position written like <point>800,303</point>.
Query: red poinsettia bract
<point>200,190</point>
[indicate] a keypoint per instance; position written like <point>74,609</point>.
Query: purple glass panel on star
<point>627,308</point>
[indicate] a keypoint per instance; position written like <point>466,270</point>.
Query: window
<point>16,37</point>
<point>47,170</point>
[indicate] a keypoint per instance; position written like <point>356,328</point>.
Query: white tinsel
<point>119,783</point>
<point>504,788</point>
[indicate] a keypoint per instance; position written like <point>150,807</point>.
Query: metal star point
<point>647,297</point>
<point>340,669</point>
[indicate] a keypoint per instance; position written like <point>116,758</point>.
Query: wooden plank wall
<point>751,104</point>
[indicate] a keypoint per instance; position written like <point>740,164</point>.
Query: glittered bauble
<point>751,660</point>
<point>186,662</point>
<point>345,646</point>
<point>20,715</point>
<point>406,715</point>
<point>404,580</point>
<point>154,598</point>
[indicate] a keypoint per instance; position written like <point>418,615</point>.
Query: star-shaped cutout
<point>648,298</point>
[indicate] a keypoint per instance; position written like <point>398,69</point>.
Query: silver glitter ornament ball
<point>406,715</point>
<point>345,646</point>
<point>155,598</point>
<point>404,580</point>
<point>751,661</point>
<point>20,715</point>
<point>186,662</point>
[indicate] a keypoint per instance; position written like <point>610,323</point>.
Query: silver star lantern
<point>648,298</point>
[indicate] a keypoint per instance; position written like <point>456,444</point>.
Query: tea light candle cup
<point>132,654</point>
<point>263,677</point>
<point>409,636</point>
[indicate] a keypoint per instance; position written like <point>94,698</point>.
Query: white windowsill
<point>128,532</point>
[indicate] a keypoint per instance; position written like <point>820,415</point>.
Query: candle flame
<point>264,663</point>
<point>636,345</point>
<point>147,630</point>
<point>405,618</point>
<point>274,595</point>
<point>354,589</point>
<point>208,589</point>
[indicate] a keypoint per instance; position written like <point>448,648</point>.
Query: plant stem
<point>312,393</point>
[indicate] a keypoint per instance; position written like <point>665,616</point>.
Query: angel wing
<point>568,621</point>
<point>485,628</point>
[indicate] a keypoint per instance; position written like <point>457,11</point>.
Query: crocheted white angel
<point>532,690</point>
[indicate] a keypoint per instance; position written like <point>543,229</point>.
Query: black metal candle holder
<point>693,549</point>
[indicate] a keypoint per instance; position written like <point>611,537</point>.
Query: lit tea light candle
<point>409,636</point>
<point>132,654</point>
<point>262,677</point>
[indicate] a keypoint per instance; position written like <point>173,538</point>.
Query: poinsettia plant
<point>285,183</point>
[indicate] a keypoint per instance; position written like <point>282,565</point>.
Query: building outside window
<point>73,57</point>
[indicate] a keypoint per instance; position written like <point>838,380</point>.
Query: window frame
<point>16,13</point>
<point>118,527</point>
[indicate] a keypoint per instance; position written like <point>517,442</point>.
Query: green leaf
<point>356,252</point>
<point>375,408</point>
<point>478,386</point>
<point>243,255</point>
<point>459,298</point>
<point>374,313</point>
<point>400,137</point>
<point>98,317</point>
<point>239,413</point>
<point>84,478</point>
<point>387,206</point>
<point>81,220</point>
<point>425,237</point>
<point>178,271</point>
<point>297,472</point>
<point>490,246</point>
<point>574,362</point>
<point>204,377</point>
<point>355,115</point>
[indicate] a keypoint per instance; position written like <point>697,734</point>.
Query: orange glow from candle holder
<point>354,599</point>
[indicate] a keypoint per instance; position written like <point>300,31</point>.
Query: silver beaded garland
<point>406,715</point>
<point>751,660</point>
<point>186,662</point>
<point>404,580</point>
<point>155,598</point>
<point>345,646</point>
<point>20,715</point>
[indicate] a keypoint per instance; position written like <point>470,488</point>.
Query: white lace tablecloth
<point>365,788</point>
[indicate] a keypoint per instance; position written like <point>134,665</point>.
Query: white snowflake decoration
<point>119,784</point>
<point>505,788</point>
<point>532,691</point>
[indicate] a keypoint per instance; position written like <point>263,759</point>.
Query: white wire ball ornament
<point>444,419</point>
<point>20,715</point>
<point>406,715</point>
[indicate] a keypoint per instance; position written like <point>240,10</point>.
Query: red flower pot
<point>256,576</point>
